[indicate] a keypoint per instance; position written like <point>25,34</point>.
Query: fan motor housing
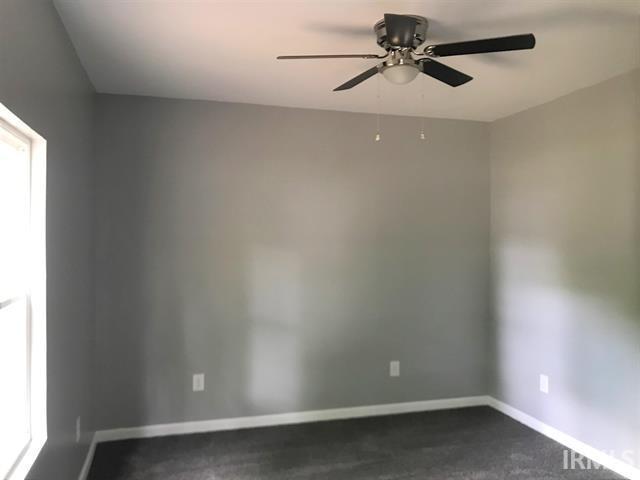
<point>422,25</point>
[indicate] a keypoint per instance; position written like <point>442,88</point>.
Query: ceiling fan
<point>402,36</point>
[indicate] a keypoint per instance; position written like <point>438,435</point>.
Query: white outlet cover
<point>78,429</point>
<point>394,368</point>
<point>544,383</point>
<point>198,382</point>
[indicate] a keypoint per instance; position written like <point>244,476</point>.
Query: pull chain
<point>422,136</point>
<point>378,136</point>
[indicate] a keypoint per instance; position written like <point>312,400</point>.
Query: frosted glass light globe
<point>400,74</point>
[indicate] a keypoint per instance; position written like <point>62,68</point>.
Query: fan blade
<point>445,74</point>
<point>358,79</point>
<point>305,57</point>
<point>400,30</point>
<point>501,44</point>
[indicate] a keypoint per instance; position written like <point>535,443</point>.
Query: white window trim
<point>37,293</point>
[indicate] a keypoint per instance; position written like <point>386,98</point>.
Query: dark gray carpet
<point>470,444</point>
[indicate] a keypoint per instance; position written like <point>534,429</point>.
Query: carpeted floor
<point>471,444</point>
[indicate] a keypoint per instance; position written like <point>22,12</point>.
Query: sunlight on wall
<point>585,343</point>
<point>275,312</point>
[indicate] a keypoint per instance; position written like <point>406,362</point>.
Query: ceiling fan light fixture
<point>403,38</point>
<point>400,74</point>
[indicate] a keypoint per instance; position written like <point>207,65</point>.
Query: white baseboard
<point>86,466</point>
<point>286,418</point>
<point>614,464</point>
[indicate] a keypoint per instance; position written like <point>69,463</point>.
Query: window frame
<point>35,294</point>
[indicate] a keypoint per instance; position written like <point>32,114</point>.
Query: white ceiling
<point>225,50</point>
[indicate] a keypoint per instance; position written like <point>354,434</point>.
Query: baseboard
<point>287,418</point>
<point>86,466</point>
<point>614,464</point>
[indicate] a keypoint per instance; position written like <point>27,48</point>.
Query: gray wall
<point>41,81</point>
<point>565,245</point>
<point>288,256</point>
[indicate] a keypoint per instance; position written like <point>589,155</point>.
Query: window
<point>22,303</point>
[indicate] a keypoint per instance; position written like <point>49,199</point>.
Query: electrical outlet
<point>198,382</point>
<point>544,383</point>
<point>394,368</point>
<point>78,429</point>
